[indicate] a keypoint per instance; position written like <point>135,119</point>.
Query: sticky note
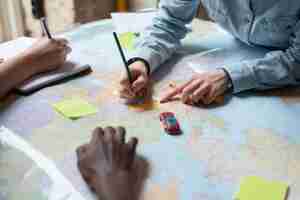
<point>258,188</point>
<point>144,106</point>
<point>127,40</point>
<point>75,108</point>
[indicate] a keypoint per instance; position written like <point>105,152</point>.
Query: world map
<point>255,133</point>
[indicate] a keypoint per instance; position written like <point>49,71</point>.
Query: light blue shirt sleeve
<point>162,39</point>
<point>277,69</point>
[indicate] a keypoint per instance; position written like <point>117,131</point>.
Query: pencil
<point>123,57</point>
<point>45,27</point>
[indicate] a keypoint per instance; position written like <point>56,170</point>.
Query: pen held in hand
<point>123,57</point>
<point>45,27</point>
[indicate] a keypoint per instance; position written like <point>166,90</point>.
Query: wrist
<point>140,66</point>
<point>23,65</point>
<point>143,62</point>
<point>27,62</point>
<point>228,81</point>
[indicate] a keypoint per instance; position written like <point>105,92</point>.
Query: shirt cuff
<point>242,76</point>
<point>135,59</point>
<point>148,55</point>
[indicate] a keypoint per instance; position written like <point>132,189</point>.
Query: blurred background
<point>19,17</point>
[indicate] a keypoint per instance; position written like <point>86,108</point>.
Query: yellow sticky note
<point>127,40</point>
<point>258,188</point>
<point>75,108</point>
<point>144,106</point>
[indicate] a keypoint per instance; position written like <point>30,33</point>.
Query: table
<point>251,134</point>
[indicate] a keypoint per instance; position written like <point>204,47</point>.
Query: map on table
<point>253,134</point>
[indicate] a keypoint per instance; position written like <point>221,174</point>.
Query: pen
<point>45,27</point>
<point>123,57</point>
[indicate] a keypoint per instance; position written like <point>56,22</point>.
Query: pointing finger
<point>174,92</point>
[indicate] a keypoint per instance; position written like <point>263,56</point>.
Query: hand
<point>204,87</point>
<point>140,84</point>
<point>106,164</point>
<point>46,55</point>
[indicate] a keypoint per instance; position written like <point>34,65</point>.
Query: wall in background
<point>140,4</point>
<point>65,14</point>
<point>1,31</point>
<point>11,18</point>
<point>58,20</point>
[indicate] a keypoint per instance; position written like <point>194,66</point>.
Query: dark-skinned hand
<point>106,164</point>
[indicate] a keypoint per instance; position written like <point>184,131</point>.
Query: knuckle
<point>208,83</point>
<point>199,80</point>
<point>98,129</point>
<point>196,94</point>
<point>110,130</point>
<point>185,91</point>
<point>55,43</point>
<point>205,85</point>
<point>62,40</point>
<point>196,76</point>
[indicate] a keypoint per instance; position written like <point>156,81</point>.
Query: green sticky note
<point>127,40</point>
<point>75,108</point>
<point>258,188</point>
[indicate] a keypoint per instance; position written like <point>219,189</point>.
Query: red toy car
<point>170,123</point>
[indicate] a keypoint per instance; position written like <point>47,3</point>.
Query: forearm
<point>162,39</point>
<point>13,72</point>
<point>276,70</point>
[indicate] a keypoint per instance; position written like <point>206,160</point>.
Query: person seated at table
<point>44,55</point>
<point>106,163</point>
<point>271,24</point>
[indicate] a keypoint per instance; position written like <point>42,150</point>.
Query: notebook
<point>71,69</point>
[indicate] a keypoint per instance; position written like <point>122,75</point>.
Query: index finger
<point>174,92</point>
<point>97,136</point>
